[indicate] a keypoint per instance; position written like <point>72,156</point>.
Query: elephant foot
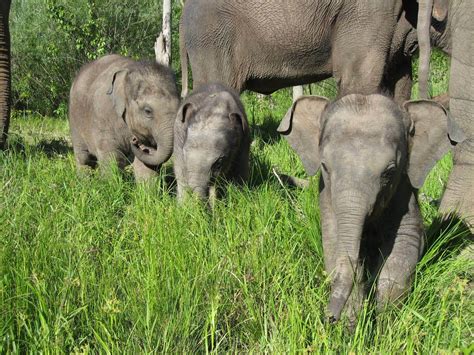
<point>458,199</point>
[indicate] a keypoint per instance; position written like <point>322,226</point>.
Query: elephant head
<point>210,133</point>
<point>5,71</point>
<point>364,146</point>
<point>145,96</point>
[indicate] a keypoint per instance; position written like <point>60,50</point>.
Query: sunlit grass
<point>106,265</point>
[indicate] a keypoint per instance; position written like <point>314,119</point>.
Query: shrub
<point>52,39</point>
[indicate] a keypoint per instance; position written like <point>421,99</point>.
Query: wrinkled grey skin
<point>5,72</point>
<point>455,32</point>
<point>264,45</point>
<point>123,110</point>
<point>212,140</point>
<point>373,158</point>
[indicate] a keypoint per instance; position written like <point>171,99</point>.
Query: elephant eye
<point>148,111</point>
<point>218,164</point>
<point>389,172</point>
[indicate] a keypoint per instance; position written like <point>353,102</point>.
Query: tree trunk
<point>163,42</point>
<point>5,73</point>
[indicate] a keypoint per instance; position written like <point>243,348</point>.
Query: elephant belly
<point>293,45</point>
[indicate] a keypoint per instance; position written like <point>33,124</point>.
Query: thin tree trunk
<point>163,42</point>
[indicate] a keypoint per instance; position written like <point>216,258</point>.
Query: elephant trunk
<point>5,75</point>
<point>424,23</point>
<point>156,157</point>
<point>199,182</point>
<point>201,191</point>
<point>351,209</point>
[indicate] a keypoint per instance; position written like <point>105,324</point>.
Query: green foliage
<point>93,265</point>
<point>439,76</point>
<point>52,39</point>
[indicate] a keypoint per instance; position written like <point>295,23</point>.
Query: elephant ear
<point>428,141</point>
<point>118,93</point>
<point>301,127</point>
<point>185,112</point>
<point>240,120</point>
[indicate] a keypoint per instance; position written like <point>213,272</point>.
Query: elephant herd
<point>373,146</point>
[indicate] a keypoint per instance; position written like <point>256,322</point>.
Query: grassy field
<point>92,265</point>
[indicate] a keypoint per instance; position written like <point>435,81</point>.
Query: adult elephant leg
<point>459,194</point>
<point>398,81</point>
<point>5,72</point>
<point>363,75</point>
<point>360,54</point>
<point>214,66</point>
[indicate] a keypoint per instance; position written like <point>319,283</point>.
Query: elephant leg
<point>459,195</point>
<point>458,198</point>
<point>359,59</point>
<point>109,158</point>
<point>399,81</point>
<point>214,67</point>
<point>84,159</point>
<point>141,171</point>
<point>398,268</point>
<point>5,72</point>
<point>399,254</point>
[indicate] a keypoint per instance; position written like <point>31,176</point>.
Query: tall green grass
<point>107,265</point>
<point>92,265</point>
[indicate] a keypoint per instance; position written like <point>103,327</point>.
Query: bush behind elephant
<point>123,110</point>
<point>373,157</point>
<point>212,140</point>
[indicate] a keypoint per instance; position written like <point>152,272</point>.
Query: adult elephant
<point>453,31</point>
<point>5,71</point>
<point>263,45</point>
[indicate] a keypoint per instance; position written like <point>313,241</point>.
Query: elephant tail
<point>184,62</point>
<point>424,23</point>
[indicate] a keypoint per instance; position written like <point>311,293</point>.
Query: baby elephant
<point>123,110</point>
<point>211,140</point>
<point>373,157</point>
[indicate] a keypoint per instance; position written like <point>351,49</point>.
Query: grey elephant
<point>212,141</point>
<point>454,32</point>
<point>5,71</point>
<point>373,157</point>
<point>123,110</point>
<point>264,45</point>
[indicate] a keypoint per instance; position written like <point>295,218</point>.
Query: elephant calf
<point>123,110</point>
<point>373,157</point>
<point>211,140</point>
